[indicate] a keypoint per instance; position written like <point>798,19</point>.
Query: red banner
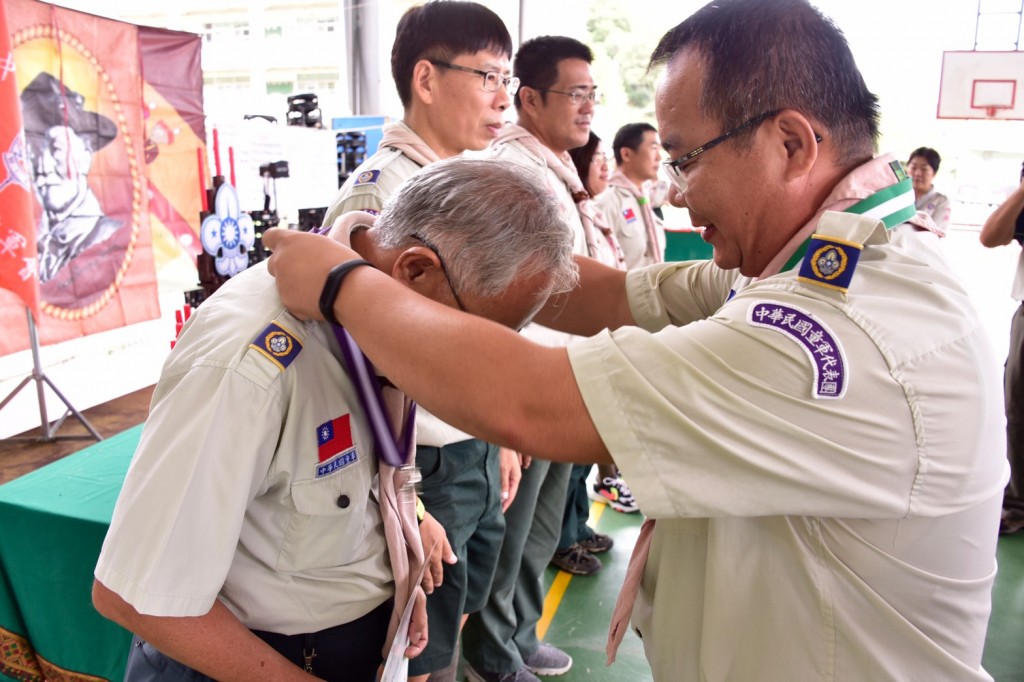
<point>79,85</point>
<point>17,227</point>
<point>175,129</point>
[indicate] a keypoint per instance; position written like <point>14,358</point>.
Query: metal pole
<point>49,429</point>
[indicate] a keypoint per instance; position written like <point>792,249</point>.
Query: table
<point>52,524</point>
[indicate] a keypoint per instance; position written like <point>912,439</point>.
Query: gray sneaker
<point>521,675</point>
<point>548,660</point>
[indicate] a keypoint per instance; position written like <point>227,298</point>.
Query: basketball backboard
<point>984,85</point>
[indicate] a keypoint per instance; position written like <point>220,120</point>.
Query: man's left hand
<point>436,549</point>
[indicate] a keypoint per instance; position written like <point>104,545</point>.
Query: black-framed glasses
<point>444,268</point>
<point>577,96</point>
<point>675,168</point>
<point>493,80</point>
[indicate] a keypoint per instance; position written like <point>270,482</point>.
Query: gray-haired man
<point>253,513</point>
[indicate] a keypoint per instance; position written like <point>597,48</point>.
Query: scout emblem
<point>278,345</point>
<point>367,178</point>
<point>830,262</point>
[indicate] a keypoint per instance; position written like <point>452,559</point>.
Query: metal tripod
<point>49,428</point>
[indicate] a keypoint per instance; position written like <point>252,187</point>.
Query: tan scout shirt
<point>624,214</point>
<point>372,183</point>
<point>802,535</point>
<point>232,496</point>
<point>518,153</point>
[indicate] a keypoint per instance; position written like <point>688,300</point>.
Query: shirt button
<point>343,501</point>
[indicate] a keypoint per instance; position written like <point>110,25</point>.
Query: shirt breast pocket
<point>332,515</point>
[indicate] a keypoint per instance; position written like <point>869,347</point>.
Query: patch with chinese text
<point>819,343</point>
<point>335,448</point>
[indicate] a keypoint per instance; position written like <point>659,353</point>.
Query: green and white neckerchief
<point>892,205</point>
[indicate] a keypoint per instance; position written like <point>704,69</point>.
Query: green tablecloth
<point>686,245</point>
<point>52,524</point>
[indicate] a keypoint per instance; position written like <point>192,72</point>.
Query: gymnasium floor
<point>578,609</point>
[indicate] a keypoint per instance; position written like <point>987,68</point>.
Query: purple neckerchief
<point>390,450</point>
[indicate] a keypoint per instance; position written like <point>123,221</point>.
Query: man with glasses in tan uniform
<point>451,65</point>
<point>811,421</point>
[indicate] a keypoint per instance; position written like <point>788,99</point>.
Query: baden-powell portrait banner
<point>80,90</point>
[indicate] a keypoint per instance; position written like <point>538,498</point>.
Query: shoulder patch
<point>278,345</point>
<point>830,262</point>
<point>831,377</point>
<point>367,178</point>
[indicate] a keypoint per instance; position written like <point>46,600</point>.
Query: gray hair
<point>491,221</point>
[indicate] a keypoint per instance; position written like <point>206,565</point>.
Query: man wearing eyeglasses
<point>451,65</point>
<point>811,421</point>
<point>554,107</point>
<point>627,202</point>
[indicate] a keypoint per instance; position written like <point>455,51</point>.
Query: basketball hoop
<point>982,85</point>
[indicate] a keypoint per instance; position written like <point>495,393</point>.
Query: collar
<point>860,185</point>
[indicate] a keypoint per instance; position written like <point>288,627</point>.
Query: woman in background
<point>922,167</point>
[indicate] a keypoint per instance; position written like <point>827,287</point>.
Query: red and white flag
<point>18,260</point>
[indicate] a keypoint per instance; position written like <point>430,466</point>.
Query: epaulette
<point>365,178</point>
<point>278,345</point>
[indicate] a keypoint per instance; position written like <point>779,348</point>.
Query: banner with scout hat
<point>79,83</point>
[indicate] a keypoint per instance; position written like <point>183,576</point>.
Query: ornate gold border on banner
<point>44,32</point>
<point>19,661</point>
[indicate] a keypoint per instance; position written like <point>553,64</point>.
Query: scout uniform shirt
<point>625,215</point>
<point>374,180</point>
<point>937,206</point>
<point>255,481</point>
<point>372,183</point>
<point>825,465</point>
<point>526,151</point>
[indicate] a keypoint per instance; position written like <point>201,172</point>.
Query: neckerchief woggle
<point>892,205</point>
<point>390,449</point>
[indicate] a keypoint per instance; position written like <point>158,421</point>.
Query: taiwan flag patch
<point>628,215</point>
<point>333,437</point>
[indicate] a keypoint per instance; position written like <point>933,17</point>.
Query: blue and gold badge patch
<point>830,262</point>
<point>278,344</point>
<point>367,178</point>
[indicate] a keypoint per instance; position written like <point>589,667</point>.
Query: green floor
<point>580,625</point>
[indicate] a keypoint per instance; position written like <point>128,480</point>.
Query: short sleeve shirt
<point>817,528</point>
<point>254,481</point>
<point>624,214</point>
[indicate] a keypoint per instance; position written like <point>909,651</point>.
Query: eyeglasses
<point>493,80</point>
<point>675,168</point>
<point>444,269</point>
<point>577,97</point>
